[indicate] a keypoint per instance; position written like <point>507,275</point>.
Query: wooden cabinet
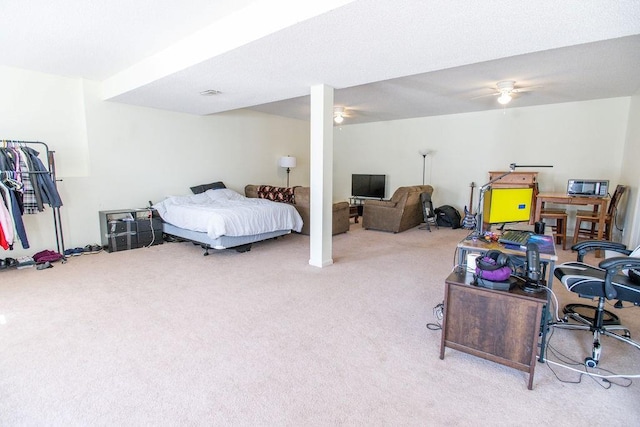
<point>514,179</point>
<point>124,229</point>
<point>521,201</point>
<point>501,326</point>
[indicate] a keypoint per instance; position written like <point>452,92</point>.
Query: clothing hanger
<point>11,182</point>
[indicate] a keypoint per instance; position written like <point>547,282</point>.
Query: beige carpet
<point>166,336</point>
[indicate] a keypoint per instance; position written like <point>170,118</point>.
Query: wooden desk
<point>599,205</point>
<point>501,326</point>
<point>547,259</point>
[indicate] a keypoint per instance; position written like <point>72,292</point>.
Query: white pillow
<point>223,194</point>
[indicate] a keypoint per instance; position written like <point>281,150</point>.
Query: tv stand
<point>356,205</point>
<point>359,200</point>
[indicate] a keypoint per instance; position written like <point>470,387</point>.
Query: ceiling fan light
<point>338,118</point>
<point>504,99</point>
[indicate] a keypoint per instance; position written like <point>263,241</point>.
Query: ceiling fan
<point>506,90</point>
<point>339,113</point>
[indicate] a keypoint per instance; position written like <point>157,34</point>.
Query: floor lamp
<point>424,154</point>
<point>287,162</point>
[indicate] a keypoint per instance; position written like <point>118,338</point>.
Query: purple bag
<point>46,255</point>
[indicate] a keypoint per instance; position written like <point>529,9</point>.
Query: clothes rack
<point>51,171</point>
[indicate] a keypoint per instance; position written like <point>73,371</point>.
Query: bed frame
<point>239,243</point>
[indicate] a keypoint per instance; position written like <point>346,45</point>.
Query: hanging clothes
<point>16,214</point>
<point>44,181</point>
<point>26,185</point>
<point>6,222</point>
<point>29,200</point>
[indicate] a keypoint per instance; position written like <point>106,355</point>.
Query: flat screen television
<point>364,185</point>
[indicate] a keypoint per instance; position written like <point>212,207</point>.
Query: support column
<point>321,175</point>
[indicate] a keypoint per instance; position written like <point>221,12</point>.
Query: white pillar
<point>321,175</point>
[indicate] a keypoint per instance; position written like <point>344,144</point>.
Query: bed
<point>223,219</point>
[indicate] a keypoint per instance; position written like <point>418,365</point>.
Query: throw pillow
<point>204,187</point>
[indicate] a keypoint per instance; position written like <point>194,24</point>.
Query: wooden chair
<point>560,216</point>
<point>560,226</point>
<point>592,218</point>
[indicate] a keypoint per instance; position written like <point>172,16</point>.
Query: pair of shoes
<point>7,263</point>
<point>73,252</point>
<point>25,262</point>
<point>44,265</point>
<point>92,249</point>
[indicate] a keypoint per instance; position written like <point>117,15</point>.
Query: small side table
<point>356,207</point>
<point>501,326</point>
<point>353,213</point>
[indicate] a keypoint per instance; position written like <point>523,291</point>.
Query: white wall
<point>41,107</point>
<point>113,156</point>
<point>630,175</point>
<point>580,140</point>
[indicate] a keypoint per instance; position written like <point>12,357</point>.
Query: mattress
<point>222,242</point>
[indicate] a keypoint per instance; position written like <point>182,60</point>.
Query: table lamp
<point>287,162</point>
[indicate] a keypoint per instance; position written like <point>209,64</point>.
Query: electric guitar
<point>469,220</point>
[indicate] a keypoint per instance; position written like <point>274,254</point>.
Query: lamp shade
<point>287,162</point>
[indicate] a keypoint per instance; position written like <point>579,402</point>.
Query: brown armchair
<point>402,212</point>
<point>340,212</point>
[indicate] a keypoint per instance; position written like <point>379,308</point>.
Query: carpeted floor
<point>166,336</point>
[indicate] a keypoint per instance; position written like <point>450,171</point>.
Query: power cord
<point>153,231</point>
<point>608,380</point>
<point>438,313</point>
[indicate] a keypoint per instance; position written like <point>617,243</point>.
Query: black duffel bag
<point>448,216</point>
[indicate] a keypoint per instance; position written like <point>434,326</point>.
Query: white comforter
<point>224,212</point>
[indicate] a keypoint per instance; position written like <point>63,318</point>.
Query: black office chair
<point>614,278</point>
<point>429,215</point>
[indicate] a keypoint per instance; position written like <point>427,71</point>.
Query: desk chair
<point>583,216</point>
<point>606,281</point>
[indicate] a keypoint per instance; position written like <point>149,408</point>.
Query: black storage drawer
<point>146,237</point>
<point>122,242</point>
<point>120,226</point>
<point>146,225</point>
<point>125,229</point>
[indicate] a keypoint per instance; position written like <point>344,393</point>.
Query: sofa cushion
<point>277,194</point>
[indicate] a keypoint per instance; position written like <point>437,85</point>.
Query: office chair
<point>584,216</point>
<point>614,278</point>
<point>427,211</point>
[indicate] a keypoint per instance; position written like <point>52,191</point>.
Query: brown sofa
<point>302,203</point>
<point>402,212</point>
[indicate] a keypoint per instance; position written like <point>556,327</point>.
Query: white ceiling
<point>386,59</point>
